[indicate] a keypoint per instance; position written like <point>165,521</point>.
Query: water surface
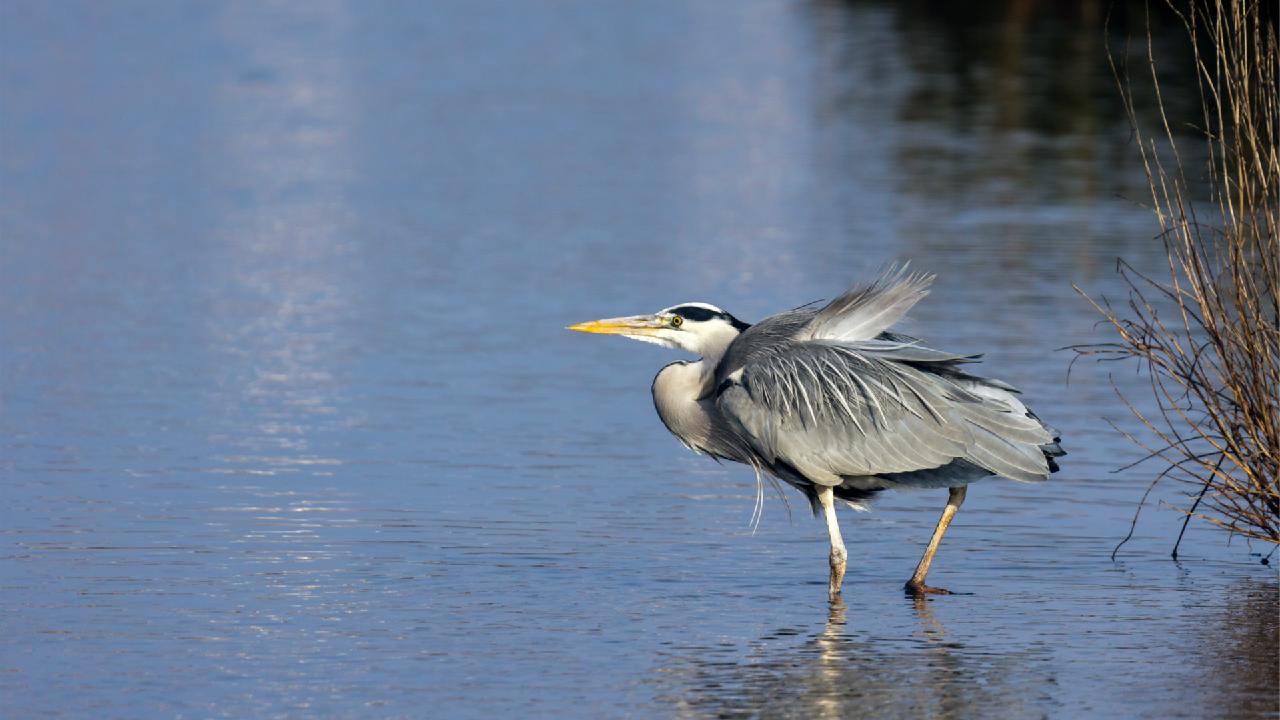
<point>291,426</point>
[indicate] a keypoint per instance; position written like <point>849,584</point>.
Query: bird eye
<point>676,321</point>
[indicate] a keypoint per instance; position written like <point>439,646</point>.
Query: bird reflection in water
<point>841,671</point>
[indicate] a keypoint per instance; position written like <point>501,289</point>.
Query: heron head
<point>698,328</point>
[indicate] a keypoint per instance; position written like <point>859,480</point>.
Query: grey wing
<point>842,411</point>
<point>837,396</point>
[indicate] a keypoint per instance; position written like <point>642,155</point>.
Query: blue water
<point>290,426</point>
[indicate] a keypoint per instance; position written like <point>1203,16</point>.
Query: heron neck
<point>676,393</point>
<point>686,381</point>
<point>711,354</point>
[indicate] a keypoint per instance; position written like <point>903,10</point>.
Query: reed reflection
<point>1238,650</point>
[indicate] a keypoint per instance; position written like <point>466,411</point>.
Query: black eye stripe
<point>701,314</point>
<point>695,313</point>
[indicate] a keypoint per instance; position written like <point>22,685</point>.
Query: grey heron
<point>833,403</point>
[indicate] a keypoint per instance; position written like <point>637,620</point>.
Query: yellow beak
<point>631,325</point>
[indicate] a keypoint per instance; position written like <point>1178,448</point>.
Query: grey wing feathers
<point>875,412</point>
<point>864,312</point>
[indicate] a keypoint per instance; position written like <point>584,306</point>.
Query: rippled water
<point>291,426</point>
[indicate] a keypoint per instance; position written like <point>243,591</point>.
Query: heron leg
<point>915,586</point>
<point>826,496</point>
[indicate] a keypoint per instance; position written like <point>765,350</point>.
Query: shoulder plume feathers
<point>863,312</point>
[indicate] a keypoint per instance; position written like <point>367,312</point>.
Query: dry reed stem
<point>1214,366</point>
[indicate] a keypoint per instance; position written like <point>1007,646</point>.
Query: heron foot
<point>838,563</point>
<point>919,589</point>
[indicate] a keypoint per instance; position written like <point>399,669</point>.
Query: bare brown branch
<point>1215,371</point>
